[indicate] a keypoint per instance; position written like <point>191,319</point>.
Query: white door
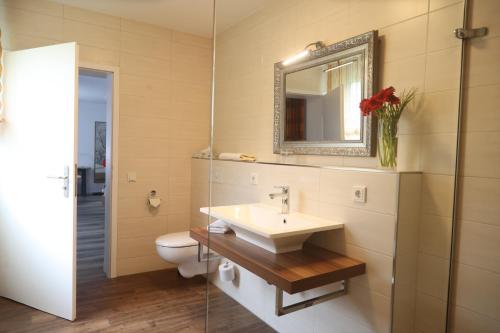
<point>37,153</point>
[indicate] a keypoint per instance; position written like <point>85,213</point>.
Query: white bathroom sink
<point>265,226</point>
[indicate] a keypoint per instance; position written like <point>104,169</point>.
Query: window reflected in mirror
<point>322,102</point>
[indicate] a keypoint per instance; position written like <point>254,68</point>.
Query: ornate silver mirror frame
<point>365,44</point>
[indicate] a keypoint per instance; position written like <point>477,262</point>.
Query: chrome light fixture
<point>304,53</point>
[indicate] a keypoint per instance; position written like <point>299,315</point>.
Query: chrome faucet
<point>285,198</point>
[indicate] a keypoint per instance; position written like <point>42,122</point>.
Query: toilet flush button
<point>359,194</point>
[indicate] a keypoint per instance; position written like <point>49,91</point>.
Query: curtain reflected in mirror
<point>322,102</point>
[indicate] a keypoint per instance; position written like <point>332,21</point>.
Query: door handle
<point>65,178</point>
<point>58,177</point>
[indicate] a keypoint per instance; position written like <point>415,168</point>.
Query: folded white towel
<point>237,157</point>
<point>218,231</point>
<point>218,227</point>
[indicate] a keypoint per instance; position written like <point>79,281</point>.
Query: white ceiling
<point>191,16</point>
<point>92,87</point>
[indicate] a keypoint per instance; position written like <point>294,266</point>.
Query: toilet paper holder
<point>153,199</point>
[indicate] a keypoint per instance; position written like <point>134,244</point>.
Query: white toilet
<point>178,248</point>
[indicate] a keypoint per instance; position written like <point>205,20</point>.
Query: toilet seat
<point>176,240</point>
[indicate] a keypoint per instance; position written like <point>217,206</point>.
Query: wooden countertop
<point>293,272</point>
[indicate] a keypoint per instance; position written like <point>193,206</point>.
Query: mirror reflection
<point>322,102</point>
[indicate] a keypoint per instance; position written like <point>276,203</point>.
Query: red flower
<point>365,107</point>
<point>376,102</point>
<point>393,100</point>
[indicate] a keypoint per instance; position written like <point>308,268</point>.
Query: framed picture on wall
<point>100,152</point>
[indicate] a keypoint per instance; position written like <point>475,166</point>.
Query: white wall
<point>88,113</point>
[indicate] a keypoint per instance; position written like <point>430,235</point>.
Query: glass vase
<point>387,142</point>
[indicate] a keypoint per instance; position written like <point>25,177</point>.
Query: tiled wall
<point>477,273</point>
<point>418,49</point>
<point>164,110</point>
<point>368,236</point>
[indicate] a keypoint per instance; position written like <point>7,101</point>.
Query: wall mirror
<point>317,100</point>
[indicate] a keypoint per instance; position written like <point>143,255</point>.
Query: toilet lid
<point>176,239</point>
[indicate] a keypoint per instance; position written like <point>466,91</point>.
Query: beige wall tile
<point>439,153</point>
<point>395,41</point>
<point>432,276</point>
<point>32,24</point>
<point>485,14</point>
<point>336,187</point>
<point>467,321</point>
<point>95,55</point>
<point>145,86</point>
<point>437,195</point>
<point>128,266</point>
<point>430,314</point>
<point>404,74</point>
<point>442,70</point>
<point>439,112</point>
<point>130,147</point>
<point>479,198</point>
<point>136,247</point>
<point>478,290</point>
<point>145,66</point>
<point>137,207</point>
<point>190,39</point>
<point>141,106</point>
<point>481,154</point>
<point>372,231</point>
<point>435,235</point>
<point>437,4</point>
<point>40,6</point>
<point>142,227</point>
<point>408,155</point>
<point>478,245</point>
<point>482,109</point>
<point>14,42</point>
<point>442,22</point>
<point>86,16</point>
<point>92,35</point>
<point>178,222</point>
<point>138,127</point>
<point>145,29</point>
<point>484,68</point>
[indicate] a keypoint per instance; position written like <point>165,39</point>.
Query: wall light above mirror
<point>317,95</point>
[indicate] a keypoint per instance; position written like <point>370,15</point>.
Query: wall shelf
<point>292,272</point>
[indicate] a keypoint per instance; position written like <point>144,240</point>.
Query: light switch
<point>359,194</point>
<point>131,177</point>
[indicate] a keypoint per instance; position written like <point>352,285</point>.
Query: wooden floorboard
<point>90,238</point>
<point>159,301</point>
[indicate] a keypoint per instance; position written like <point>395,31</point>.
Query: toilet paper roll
<point>226,271</point>
<point>154,202</point>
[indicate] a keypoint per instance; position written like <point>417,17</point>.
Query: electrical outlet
<point>254,179</point>
<point>359,194</point>
<point>217,176</point>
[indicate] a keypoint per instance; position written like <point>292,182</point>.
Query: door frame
<point>111,237</point>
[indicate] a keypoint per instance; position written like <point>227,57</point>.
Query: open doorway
<point>94,190</point>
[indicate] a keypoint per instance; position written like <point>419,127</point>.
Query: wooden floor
<point>90,238</point>
<point>159,301</point>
